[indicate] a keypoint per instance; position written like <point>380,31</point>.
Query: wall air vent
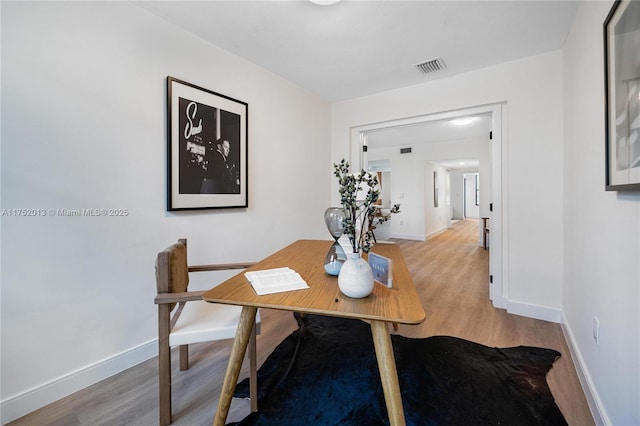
<point>431,65</point>
<point>405,150</point>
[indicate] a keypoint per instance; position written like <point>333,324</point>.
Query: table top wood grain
<point>399,304</point>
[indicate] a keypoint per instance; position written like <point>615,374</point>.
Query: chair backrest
<point>172,270</point>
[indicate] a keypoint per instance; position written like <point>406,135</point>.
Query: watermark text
<point>62,212</point>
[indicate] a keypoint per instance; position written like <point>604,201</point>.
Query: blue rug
<point>326,373</point>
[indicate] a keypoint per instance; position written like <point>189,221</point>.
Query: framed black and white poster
<point>622,94</point>
<point>207,148</point>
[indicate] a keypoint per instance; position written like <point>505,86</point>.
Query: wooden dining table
<point>398,304</point>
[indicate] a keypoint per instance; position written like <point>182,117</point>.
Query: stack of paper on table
<point>275,280</point>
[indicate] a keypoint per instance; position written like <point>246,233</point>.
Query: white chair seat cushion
<point>202,321</point>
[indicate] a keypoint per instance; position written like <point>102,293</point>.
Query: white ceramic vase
<point>355,278</point>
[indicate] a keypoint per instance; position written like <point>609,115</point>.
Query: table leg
<point>388,372</point>
<point>253,371</point>
<point>245,325</point>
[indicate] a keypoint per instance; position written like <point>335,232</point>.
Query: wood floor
<point>451,275</point>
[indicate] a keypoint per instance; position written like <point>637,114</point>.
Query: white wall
<point>601,235</point>
<point>84,126</point>
<point>532,89</point>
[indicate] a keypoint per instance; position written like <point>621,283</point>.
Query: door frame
<point>498,243</point>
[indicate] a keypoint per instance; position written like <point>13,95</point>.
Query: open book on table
<point>276,280</point>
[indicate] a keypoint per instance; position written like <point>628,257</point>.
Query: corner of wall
<point>598,411</point>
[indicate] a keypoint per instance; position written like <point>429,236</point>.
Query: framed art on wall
<point>435,189</point>
<point>207,148</point>
<point>622,95</point>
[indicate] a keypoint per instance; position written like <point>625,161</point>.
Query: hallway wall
<point>601,236</point>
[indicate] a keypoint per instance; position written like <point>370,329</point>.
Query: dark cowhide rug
<point>325,373</point>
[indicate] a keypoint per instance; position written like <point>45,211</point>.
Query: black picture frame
<point>622,96</point>
<point>435,189</point>
<point>206,149</point>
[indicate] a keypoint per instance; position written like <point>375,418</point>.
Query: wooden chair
<point>193,321</point>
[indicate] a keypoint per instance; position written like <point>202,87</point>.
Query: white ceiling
<point>357,48</point>
<point>410,136</point>
<point>432,131</point>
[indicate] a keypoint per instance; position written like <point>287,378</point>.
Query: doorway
<point>495,203</point>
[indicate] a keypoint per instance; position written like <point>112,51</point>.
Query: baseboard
<point>434,233</point>
<point>408,237</point>
<point>598,412</point>
<point>19,405</point>
<point>500,302</point>
<point>534,311</point>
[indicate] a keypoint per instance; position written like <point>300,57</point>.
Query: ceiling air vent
<point>405,150</point>
<point>431,65</point>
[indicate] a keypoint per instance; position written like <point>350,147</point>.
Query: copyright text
<point>58,212</point>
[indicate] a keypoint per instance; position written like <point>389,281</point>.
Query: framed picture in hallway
<point>622,94</point>
<point>206,150</point>
<point>435,189</point>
